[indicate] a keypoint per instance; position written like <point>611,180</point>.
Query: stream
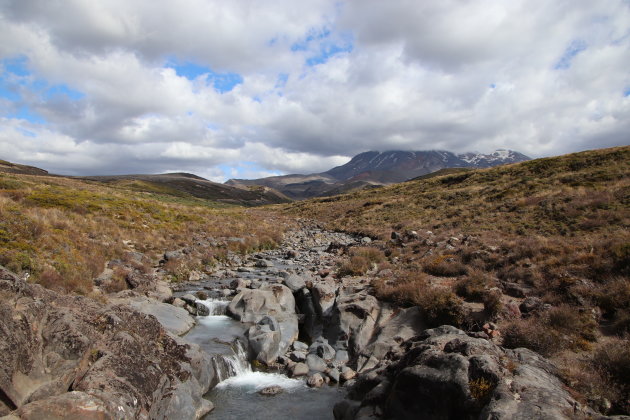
<point>236,395</point>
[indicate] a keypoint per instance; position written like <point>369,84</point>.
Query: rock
<point>291,254</point>
<point>333,374</point>
<point>174,319</point>
<point>263,264</point>
<point>346,409</point>
<point>324,293</point>
<point>172,255</point>
<point>323,350</point>
<point>189,299</point>
<point>469,377</point>
<point>530,304</point>
<point>347,373</point>
<point>240,283</point>
<point>201,295</point>
<point>299,346</point>
<point>358,313</point>
<point>315,381</point>
<point>514,290</point>
<point>341,357</point>
<point>202,310</point>
<point>299,369</point>
<point>73,357</point>
<point>264,340</point>
<point>316,363</point>
<point>366,240</point>
<point>178,303</point>
<point>294,282</point>
<point>297,356</point>
<point>271,390</point>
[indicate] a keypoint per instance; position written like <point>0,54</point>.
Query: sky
<point>253,88</point>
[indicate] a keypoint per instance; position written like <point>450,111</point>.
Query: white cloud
<point>456,75</point>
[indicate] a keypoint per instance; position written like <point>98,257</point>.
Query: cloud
<point>243,88</point>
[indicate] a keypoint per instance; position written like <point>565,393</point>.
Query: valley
<point>504,290</point>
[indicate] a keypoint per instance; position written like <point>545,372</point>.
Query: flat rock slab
<point>176,320</point>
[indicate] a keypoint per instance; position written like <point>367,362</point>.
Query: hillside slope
<point>534,254</point>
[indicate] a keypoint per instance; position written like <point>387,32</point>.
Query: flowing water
<point>236,396</point>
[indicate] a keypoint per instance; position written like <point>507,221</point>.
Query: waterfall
<point>228,366</point>
<point>215,306</point>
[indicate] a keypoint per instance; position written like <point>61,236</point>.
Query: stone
<point>366,240</point>
<point>299,369</point>
<point>202,310</point>
<point>315,381</point>
<point>341,357</point>
<point>347,373</point>
<point>264,340</point>
<point>333,374</point>
<point>174,319</point>
<point>299,346</point>
<point>297,356</point>
<point>294,282</point>
<point>189,299</point>
<point>530,304</point>
<point>271,390</point>
<point>201,295</point>
<point>316,363</point>
<point>323,350</point>
<point>239,283</point>
<point>172,255</point>
<point>324,294</point>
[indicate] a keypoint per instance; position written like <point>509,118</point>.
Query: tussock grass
<point>60,231</point>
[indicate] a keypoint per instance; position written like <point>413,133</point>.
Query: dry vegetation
<point>543,245</point>
<point>60,232</point>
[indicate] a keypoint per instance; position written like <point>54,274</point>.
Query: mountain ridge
<point>374,168</point>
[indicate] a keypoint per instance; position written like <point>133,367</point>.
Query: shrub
<point>492,304</point>
<point>441,306</point>
<point>473,286</point>
<point>445,266</point>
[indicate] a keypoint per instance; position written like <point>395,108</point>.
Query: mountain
<point>374,168</point>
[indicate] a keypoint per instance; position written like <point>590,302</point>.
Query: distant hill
<point>378,168</point>
<point>184,184</point>
<point>14,168</point>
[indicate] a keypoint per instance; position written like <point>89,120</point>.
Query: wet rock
<point>297,356</point>
<point>201,295</point>
<point>315,381</point>
<point>189,299</point>
<point>264,340</point>
<point>333,374</point>
<point>347,373</point>
<point>299,369</point>
<point>271,390</point>
<point>202,310</point>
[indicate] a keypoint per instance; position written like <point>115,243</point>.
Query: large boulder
<point>324,294</point>
<point>176,320</point>
<point>443,373</point>
<point>358,315</point>
<point>81,359</point>
<point>264,340</point>
<point>269,301</point>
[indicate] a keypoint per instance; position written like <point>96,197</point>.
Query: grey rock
<point>333,374</point>
<point>294,282</point>
<point>174,319</point>
<point>271,390</point>
<point>324,293</point>
<point>297,356</point>
<point>202,310</point>
<point>347,373</point>
<point>264,340</point>
<point>323,350</point>
<point>315,381</point>
<point>299,346</point>
<point>316,363</point>
<point>341,357</point>
<point>189,299</point>
<point>299,369</point>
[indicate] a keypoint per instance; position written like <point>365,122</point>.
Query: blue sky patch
<point>16,65</point>
<point>626,92</point>
<point>63,90</point>
<point>328,50</point>
<point>25,113</point>
<point>574,48</point>
<point>222,82</point>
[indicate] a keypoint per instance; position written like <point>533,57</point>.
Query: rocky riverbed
<point>289,315</point>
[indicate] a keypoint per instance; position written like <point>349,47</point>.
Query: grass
<point>60,231</point>
<point>554,228</point>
